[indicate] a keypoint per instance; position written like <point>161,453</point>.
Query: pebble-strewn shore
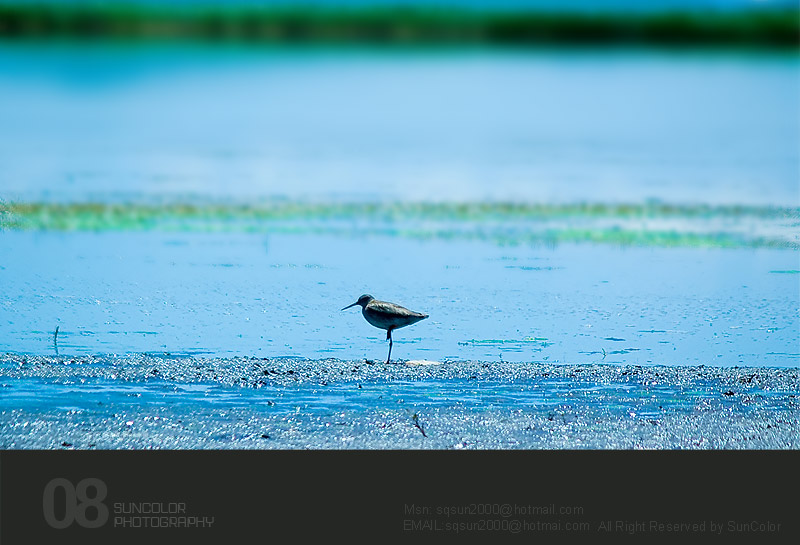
<point>703,407</point>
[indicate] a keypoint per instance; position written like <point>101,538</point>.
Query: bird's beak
<point>348,306</point>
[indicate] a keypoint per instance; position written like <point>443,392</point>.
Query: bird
<point>385,315</point>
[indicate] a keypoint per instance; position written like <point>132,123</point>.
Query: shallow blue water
<point>97,396</point>
<point>276,295</point>
<point>117,122</point>
<point>151,123</point>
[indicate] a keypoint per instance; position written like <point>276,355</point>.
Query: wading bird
<point>386,316</point>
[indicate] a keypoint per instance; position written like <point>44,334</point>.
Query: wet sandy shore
<point>176,402</point>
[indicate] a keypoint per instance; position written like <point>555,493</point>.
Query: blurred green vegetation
<point>396,25</point>
<point>649,224</point>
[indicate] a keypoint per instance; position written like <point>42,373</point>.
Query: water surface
<point>280,294</point>
<point>85,122</point>
<point>233,127</point>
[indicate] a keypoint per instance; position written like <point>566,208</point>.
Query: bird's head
<point>363,301</point>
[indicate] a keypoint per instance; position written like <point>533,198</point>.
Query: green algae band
<point>648,224</point>
<point>766,27</point>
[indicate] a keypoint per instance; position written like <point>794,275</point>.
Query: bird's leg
<point>389,337</point>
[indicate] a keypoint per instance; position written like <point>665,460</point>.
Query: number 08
<point>76,503</point>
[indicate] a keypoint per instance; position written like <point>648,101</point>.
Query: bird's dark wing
<point>391,310</point>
